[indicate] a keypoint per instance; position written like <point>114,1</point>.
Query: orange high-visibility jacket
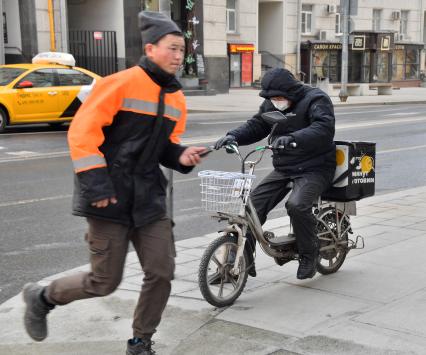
<point>108,135</point>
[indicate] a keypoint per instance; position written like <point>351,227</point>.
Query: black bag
<point>355,172</point>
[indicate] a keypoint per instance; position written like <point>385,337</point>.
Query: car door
<point>74,86</point>
<point>38,103</point>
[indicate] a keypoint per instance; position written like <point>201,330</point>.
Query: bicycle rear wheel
<point>335,247</point>
<point>218,285</point>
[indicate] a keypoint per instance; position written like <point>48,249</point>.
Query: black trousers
<point>307,187</point>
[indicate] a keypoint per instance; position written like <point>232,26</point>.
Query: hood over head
<point>281,82</point>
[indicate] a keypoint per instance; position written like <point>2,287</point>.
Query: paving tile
<point>180,286</point>
<point>294,310</point>
<point>407,315</point>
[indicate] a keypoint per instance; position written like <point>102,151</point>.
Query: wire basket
<point>223,191</point>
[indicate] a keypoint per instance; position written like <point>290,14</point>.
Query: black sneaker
<point>307,267</point>
<point>36,312</point>
<point>138,346</point>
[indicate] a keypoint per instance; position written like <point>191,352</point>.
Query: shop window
<point>325,65</point>
<point>405,63</point>
<point>377,16</point>
<point>403,26</point>
<point>359,67</point>
<point>398,64</point>
<point>382,67</point>
<point>306,19</point>
<point>412,64</point>
<point>231,16</point>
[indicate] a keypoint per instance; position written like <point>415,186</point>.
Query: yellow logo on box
<point>366,164</point>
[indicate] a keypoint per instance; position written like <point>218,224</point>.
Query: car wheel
<point>3,120</point>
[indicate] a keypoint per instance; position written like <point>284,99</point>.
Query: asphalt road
<point>39,237</point>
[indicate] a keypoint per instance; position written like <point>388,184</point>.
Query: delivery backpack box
<point>355,172</point>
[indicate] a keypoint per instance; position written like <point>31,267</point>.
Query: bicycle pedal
<point>268,235</point>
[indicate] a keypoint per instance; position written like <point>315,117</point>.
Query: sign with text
<point>358,43</point>
<point>385,43</point>
<point>98,36</point>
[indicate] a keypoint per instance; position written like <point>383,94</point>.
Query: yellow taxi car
<point>48,90</point>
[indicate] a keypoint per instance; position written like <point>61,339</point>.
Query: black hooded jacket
<point>311,123</point>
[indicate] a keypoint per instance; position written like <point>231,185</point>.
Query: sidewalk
<point>375,304</point>
<point>249,100</point>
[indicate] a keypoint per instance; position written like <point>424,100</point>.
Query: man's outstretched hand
<point>190,156</point>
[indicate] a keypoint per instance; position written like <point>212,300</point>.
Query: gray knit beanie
<point>155,25</point>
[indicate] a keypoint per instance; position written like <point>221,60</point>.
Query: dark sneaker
<point>307,267</point>
<point>252,270</point>
<point>35,314</point>
<point>139,347</point>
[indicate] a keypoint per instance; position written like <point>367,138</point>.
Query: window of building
<point>339,24</point>
<point>377,16</point>
<point>41,78</point>
<point>403,27</point>
<point>71,77</point>
<point>231,16</point>
<point>306,19</point>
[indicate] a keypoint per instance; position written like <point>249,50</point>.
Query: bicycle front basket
<point>223,191</point>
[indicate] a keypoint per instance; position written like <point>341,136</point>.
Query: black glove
<point>227,140</point>
<point>284,142</point>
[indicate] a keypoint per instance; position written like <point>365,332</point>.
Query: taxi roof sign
<point>54,58</point>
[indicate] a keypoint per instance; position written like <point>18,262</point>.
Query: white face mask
<point>280,105</point>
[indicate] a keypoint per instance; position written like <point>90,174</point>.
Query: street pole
<point>50,11</point>
<point>343,94</point>
<point>299,38</point>
<point>164,7</point>
<point>1,34</point>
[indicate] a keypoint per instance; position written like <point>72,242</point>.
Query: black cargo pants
<point>307,187</point>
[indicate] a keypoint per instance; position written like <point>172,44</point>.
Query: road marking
<point>405,113</point>
<point>220,122</point>
<point>401,149</point>
<point>380,122</point>
<point>34,157</point>
<point>23,153</point>
<point>24,202</point>
<point>2,148</point>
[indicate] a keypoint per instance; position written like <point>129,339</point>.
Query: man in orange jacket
<point>129,125</point>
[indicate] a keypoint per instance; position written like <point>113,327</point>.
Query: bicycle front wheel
<point>217,283</point>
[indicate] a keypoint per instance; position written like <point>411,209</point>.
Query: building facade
<point>230,43</point>
<point>386,42</point>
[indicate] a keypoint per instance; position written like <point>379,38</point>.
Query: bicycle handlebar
<point>232,148</point>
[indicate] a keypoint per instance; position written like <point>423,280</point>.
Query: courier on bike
<point>304,154</point>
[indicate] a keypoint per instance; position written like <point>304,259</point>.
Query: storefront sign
<point>235,48</point>
<point>98,36</point>
<point>327,46</point>
<point>358,43</point>
<point>385,43</point>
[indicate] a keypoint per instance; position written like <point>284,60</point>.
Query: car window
<point>9,74</point>
<point>71,77</point>
<point>40,78</point>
